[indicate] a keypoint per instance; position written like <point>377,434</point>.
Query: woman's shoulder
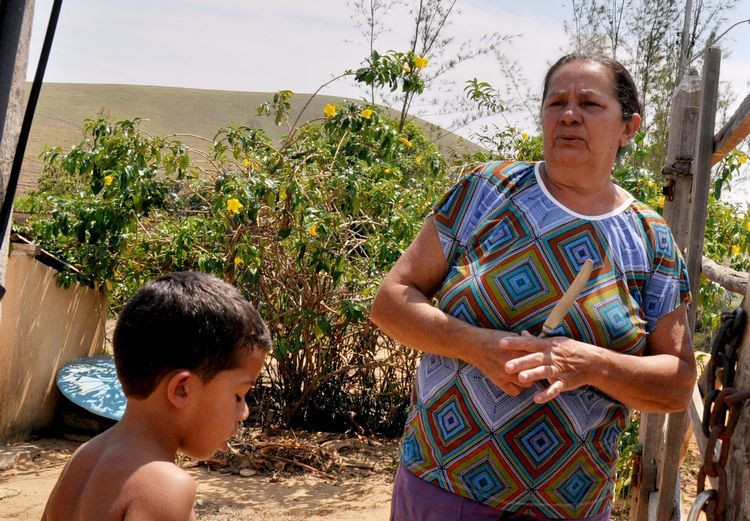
<point>654,228</point>
<point>505,174</point>
<point>504,168</point>
<point>646,214</point>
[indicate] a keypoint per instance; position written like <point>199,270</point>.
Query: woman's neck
<point>587,193</point>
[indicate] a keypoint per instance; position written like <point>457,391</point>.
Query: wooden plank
<point>14,58</point>
<point>738,465</point>
<point>695,413</point>
<point>651,436</point>
<point>701,186</point>
<point>677,423</point>
<point>699,210</point>
<point>732,134</point>
<point>683,135</point>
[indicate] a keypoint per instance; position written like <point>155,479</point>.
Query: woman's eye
<point>238,398</point>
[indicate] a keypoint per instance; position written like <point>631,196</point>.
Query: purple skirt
<point>416,500</point>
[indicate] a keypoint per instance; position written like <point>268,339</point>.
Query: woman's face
<point>582,119</point>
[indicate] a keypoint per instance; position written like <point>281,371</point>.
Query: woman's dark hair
<point>185,320</point>
<point>625,89</point>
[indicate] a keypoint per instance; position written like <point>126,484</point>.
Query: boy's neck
<point>150,427</point>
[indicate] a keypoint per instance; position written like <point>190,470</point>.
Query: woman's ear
<point>631,127</point>
<point>181,387</point>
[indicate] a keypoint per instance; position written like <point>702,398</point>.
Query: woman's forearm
<point>405,314</point>
<point>655,383</point>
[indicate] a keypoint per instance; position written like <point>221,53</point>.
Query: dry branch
<point>727,278</point>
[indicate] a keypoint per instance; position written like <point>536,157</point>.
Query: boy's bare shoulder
<point>160,490</point>
<point>105,480</point>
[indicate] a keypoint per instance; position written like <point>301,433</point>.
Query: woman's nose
<point>571,114</point>
<point>245,412</point>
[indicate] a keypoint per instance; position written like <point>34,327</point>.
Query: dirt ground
<point>360,490</point>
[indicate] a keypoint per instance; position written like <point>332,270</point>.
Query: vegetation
<point>308,223</point>
<point>306,229</point>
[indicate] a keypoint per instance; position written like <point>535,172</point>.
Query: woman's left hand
<point>564,362</point>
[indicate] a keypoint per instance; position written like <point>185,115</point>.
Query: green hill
<point>63,107</point>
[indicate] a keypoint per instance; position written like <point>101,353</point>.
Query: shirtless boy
<point>188,347</point>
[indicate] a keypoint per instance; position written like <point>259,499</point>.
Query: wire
<point>715,41</point>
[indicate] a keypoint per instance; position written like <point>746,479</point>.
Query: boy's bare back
<point>116,477</point>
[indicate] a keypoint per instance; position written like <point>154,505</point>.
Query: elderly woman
<point>504,424</point>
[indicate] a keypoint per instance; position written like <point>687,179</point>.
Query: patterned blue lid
<point>92,383</point>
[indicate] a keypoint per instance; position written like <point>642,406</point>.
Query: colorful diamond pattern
<point>512,251</point>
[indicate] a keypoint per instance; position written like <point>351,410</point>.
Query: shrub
<point>307,230</point>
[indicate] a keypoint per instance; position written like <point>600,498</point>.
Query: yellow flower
<point>406,67</point>
<point>747,226</point>
<point>418,160</point>
<point>743,159</point>
<point>387,171</point>
<point>108,180</point>
<point>234,205</point>
<point>313,230</point>
<point>660,202</point>
<point>329,110</point>
<point>405,141</point>
<point>735,249</point>
<point>366,113</point>
<point>524,136</point>
<point>246,163</point>
<point>238,261</point>
<point>420,62</point>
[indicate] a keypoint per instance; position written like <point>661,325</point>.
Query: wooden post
<point>680,164</point>
<point>15,33</point>
<point>678,178</point>
<point>704,152</point>
<point>738,466</point>
<point>678,422</point>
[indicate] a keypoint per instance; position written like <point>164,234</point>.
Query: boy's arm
<point>161,491</point>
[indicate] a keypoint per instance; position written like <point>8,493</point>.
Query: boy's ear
<point>181,386</point>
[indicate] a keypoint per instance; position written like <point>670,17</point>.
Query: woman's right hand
<point>490,359</point>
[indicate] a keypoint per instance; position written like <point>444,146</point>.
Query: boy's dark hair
<point>185,320</point>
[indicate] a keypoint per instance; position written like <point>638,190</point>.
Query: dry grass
<point>63,107</point>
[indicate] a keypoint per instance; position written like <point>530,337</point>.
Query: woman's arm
<point>660,381</point>
<point>404,311</point>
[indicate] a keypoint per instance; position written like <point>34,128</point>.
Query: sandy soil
<point>362,494</point>
<point>357,494</point>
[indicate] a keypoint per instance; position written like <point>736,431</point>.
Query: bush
<point>306,230</point>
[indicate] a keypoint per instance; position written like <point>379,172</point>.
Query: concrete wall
<point>43,327</point>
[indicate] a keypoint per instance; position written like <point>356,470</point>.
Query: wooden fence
<point>692,150</point>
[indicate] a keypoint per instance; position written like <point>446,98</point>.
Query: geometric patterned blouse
<point>512,251</point>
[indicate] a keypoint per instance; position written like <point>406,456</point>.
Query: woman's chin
<point>568,158</point>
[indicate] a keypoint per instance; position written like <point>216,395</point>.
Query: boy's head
<point>185,320</point>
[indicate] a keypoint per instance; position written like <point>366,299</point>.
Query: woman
<point>505,425</point>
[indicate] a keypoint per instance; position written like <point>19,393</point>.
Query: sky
<point>262,45</point>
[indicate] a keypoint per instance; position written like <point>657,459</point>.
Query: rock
<point>246,473</point>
